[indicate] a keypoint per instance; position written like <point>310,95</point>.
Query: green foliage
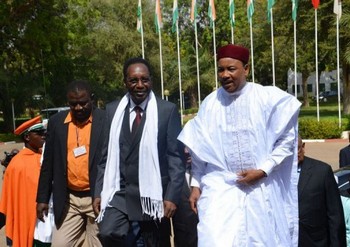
<point>44,44</point>
<point>325,129</point>
<point>347,123</point>
<point>190,111</point>
<point>9,137</point>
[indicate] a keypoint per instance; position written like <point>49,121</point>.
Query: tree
<point>26,32</point>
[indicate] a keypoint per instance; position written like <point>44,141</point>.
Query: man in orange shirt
<point>20,185</point>
<point>69,168</point>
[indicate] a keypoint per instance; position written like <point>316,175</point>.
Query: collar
<point>142,105</point>
<point>238,92</point>
<point>69,119</point>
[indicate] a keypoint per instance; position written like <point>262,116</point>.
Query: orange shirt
<point>18,199</point>
<point>78,146</point>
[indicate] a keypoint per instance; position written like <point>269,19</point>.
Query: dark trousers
<point>185,222</point>
<point>116,230</point>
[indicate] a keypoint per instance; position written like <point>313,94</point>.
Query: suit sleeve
<point>102,164</point>
<point>335,214</point>
<point>174,152</point>
<point>46,170</point>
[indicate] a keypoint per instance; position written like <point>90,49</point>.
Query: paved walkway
<point>325,150</point>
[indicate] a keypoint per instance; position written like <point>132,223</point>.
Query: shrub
<point>324,129</point>
<point>190,111</point>
<point>346,123</point>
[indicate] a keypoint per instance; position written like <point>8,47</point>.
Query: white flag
<point>337,8</point>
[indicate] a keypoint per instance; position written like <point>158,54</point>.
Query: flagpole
<point>251,47</point>
<point>316,75</point>
<point>161,61</point>
<point>179,66</point>
<point>197,62</point>
<point>142,39</point>
<point>215,63</point>
<point>232,36</point>
<point>158,29</point>
<point>338,65</point>
<point>273,51</point>
<point>295,61</point>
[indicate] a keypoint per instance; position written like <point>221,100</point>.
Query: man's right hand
<point>96,205</point>
<point>41,210</point>
<point>195,194</point>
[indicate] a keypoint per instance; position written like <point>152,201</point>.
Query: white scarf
<point>150,184</point>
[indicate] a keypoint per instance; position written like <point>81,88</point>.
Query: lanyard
<point>77,135</point>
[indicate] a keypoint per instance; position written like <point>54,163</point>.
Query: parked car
<point>325,96</point>
<point>342,175</point>
<point>48,112</point>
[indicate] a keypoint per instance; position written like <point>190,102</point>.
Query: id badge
<point>79,151</point>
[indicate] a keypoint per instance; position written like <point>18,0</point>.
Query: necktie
<point>137,119</point>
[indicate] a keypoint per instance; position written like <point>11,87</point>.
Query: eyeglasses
<point>135,80</point>
<point>82,103</point>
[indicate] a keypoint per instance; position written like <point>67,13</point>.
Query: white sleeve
<point>198,170</point>
<point>283,148</point>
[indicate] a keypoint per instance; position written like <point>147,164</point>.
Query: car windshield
<point>47,113</point>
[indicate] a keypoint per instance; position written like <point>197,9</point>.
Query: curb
<point>326,140</point>
<point>5,143</point>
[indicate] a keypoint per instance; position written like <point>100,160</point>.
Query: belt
<point>84,193</point>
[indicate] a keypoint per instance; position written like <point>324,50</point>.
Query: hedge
<point>324,129</point>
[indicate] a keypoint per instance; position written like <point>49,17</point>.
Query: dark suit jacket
<point>53,174</point>
<point>185,221</point>
<point>344,156</point>
<point>170,153</point>
<point>321,217</point>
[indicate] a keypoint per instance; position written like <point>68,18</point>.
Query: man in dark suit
<point>72,151</point>
<point>344,155</point>
<point>142,171</point>
<point>185,219</point>
<point>321,217</point>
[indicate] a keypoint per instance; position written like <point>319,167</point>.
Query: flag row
<point>337,9</point>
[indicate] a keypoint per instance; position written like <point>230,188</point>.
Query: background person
<point>344,155</point>
<point>142,172</point>
<point>321,217</point>
<point>243,145</point>
<point>72,151</point>
<point>20,186</point>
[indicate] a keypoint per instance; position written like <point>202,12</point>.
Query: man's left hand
<point>250,177</point>
<point>169,209</point>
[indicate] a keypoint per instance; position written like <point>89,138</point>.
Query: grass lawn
<point>327,111</point>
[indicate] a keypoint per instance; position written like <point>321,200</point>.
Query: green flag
<point>294,9</point>
<point>175,16</point>
<point>211,12</point>
<point>232,12</point>
<point>139,17</point>
<point>250,9</point>
<point>270,4</point>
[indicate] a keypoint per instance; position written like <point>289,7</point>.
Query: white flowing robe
<point>255,128</point>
